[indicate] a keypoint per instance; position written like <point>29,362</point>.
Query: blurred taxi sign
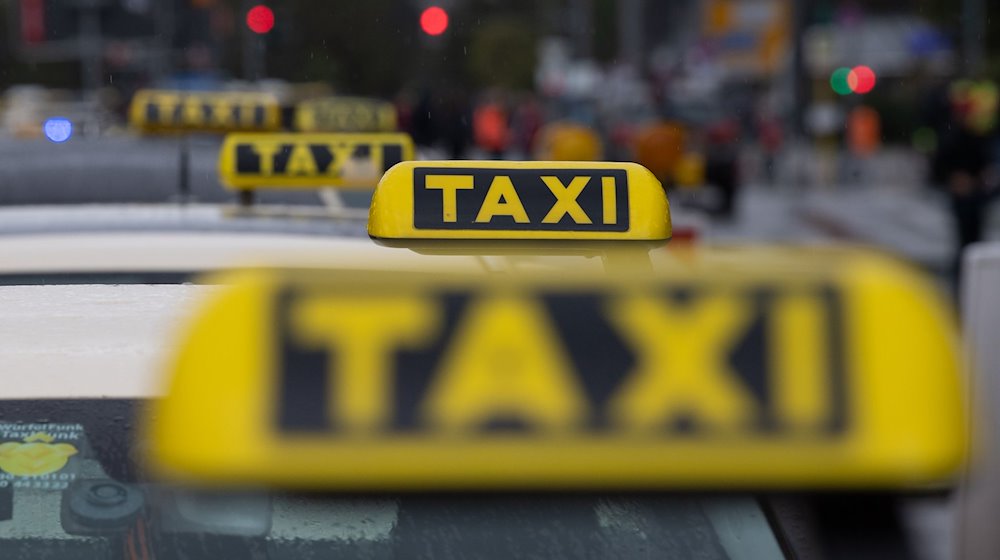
<point>345,114</point>
<point>786,377</point>
<point>291,160</point>
<point>187,111</point>
<point>503,200</point>
<point>568,141</point>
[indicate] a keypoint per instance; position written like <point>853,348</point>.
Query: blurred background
<point>868,121</point>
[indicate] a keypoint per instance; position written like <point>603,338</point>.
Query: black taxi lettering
<point>521,199</point>
<point>194,111</point>
<point>702,365</point>
<point>277,158</point>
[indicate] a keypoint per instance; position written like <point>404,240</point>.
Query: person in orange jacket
<point>491,128</point>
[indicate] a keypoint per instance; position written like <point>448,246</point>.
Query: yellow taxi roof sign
<point>508,200</point>
<point>568,141</point>
<point>248,161</point>
<point>796,377</point>
<point>215,111</point>
<point>345,114</point>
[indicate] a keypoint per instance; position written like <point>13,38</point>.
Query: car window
<point>70,482</point>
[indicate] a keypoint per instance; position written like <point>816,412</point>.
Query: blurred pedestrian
<point>491,128</point>
<point>528,120</point>
<point>422,121</point>
<point>864,131</point>
<point>455,125</point>
<point>965,163</point>
<point>864,139</point>
<point>404,111</point>
<point>771,138</point>
<point>722,164</point>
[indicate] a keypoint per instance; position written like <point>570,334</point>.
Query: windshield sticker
<point>39,456</point>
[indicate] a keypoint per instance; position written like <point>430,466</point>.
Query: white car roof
<point>89,341</point>
<point>187,252</point>
<point>95,340</point>
<point>195,217</point>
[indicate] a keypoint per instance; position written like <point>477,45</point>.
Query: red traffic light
<point>434,20</point>
<point>861,80</point>
<point>260,19</point>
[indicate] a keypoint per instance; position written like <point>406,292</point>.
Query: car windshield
<point>71,486</point>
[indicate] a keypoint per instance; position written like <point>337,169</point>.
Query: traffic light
<point>838,81</point>
<point>860,80</point>
<point>260,19</point>
<point>434,20</point>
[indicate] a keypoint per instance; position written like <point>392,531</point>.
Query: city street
<point>913,223</point>
<point>321,279</point>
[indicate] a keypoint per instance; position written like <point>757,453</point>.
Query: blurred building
<point>131,41</point>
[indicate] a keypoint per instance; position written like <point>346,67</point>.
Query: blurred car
<point>91,321</point>
<point>86,314</point>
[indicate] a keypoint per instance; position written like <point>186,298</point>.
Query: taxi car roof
<point>93,340</point>
<point>100,340</point>
<point>197,252</point>
<point>105,340</point>
<point>271,219</point>
<point>88,341</point>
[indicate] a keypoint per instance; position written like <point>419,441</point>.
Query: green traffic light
<point>838,81</point>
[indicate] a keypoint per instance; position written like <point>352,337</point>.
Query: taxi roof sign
<point>803,378</point>
<point>504,200</point>
<point>345,114</point>
<point>293,160</point>
<point>204,111</point>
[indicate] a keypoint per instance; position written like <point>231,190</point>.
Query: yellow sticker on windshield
<point>186,111</point>
<point>491,200</point>
<point>36,455</point>
<point>345,114</point>
<point>310,160</point>
<point>788,378</point>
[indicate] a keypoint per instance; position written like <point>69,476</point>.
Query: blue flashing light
<point>58,129</point>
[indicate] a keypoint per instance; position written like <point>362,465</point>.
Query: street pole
<point>581,18</point>
<point>253,47</point>
<point>90,46</point>
<point>630,39</point>
<point>800,75</point>
<point>161,62</point>
<point>973,35</point>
